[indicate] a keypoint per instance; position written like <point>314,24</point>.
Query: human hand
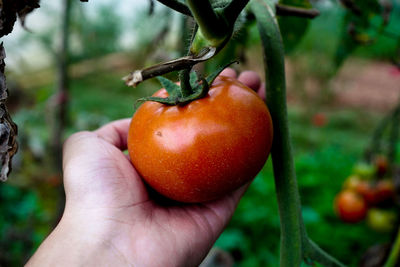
<point>112,219</point>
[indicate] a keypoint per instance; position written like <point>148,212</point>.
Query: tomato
<point>381,164</point>
<point>385,191</point>
<point>373,193</point>
<point>205,149</point>
<point>364,170</point>
<point>350,206</point>
<point>381,220</point>
<point>368,191</point>
<point>362,187</point>
<point>319,119</point>
<point>352,182</point>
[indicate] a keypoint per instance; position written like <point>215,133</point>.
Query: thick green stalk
<point>295,244</point>
<point>232,11</point>
<point>177,6</point>
<point>211,25</point>
<point>282,155</point>
<point>315,253</point>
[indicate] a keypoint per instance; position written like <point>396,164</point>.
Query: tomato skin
<point>205,149</point>
<point>350,206</point>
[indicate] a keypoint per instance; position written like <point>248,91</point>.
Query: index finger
<point>115,133</point>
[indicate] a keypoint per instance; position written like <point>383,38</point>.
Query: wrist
<point>78,243</point>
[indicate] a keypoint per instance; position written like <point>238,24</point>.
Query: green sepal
<point>210,79</point>
<point>200,87</point>
<point>171,87</point>
<point>193,78</point>
<point>170,101</point>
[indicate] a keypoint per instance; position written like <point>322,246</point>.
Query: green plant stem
<point>212,26</point>
<point>282,155</point>
<point>295,244</point>
<point>376,140</point>
<point>287,10</point>
<point>177,6</point>
<point>394,252</point>
<point>232,11</point>
<point>314,252</point>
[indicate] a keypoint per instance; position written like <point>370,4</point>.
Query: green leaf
<point>171,87</point>
<point>292,28</point>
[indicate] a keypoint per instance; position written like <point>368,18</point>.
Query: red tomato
<point>376,193</point>
<point>350,206</point>
<point>319,119</point>
<point>385,191</point>
<point>205,149</point>
<point>381,165</point>
<point>368,191</point>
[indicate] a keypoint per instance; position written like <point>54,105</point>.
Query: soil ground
<point>366,84</point>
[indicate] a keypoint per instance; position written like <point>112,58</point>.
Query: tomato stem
<point>177,6</point>
<point>232,11</point>
<point>211,25</point>
<point>292,11</point>
<point>281,152</point>
<point>295,244</point>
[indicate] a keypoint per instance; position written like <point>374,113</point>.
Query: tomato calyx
<point>192,87</point>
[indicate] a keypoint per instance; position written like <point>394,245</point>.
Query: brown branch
<point>138,76</point>
<point>285,10</point>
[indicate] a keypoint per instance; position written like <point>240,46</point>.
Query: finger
<point>261,91</point>
<point>251,79</point>
<point>115,133</point>
<point>228,72</point>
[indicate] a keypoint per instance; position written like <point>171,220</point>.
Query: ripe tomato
<point>368,191</point>
<point>385,191</point>
<point>376,193</point>
<point>381,165</point>
<point>319,120</point>
<point>350,206</point>
<point>205,149</point>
